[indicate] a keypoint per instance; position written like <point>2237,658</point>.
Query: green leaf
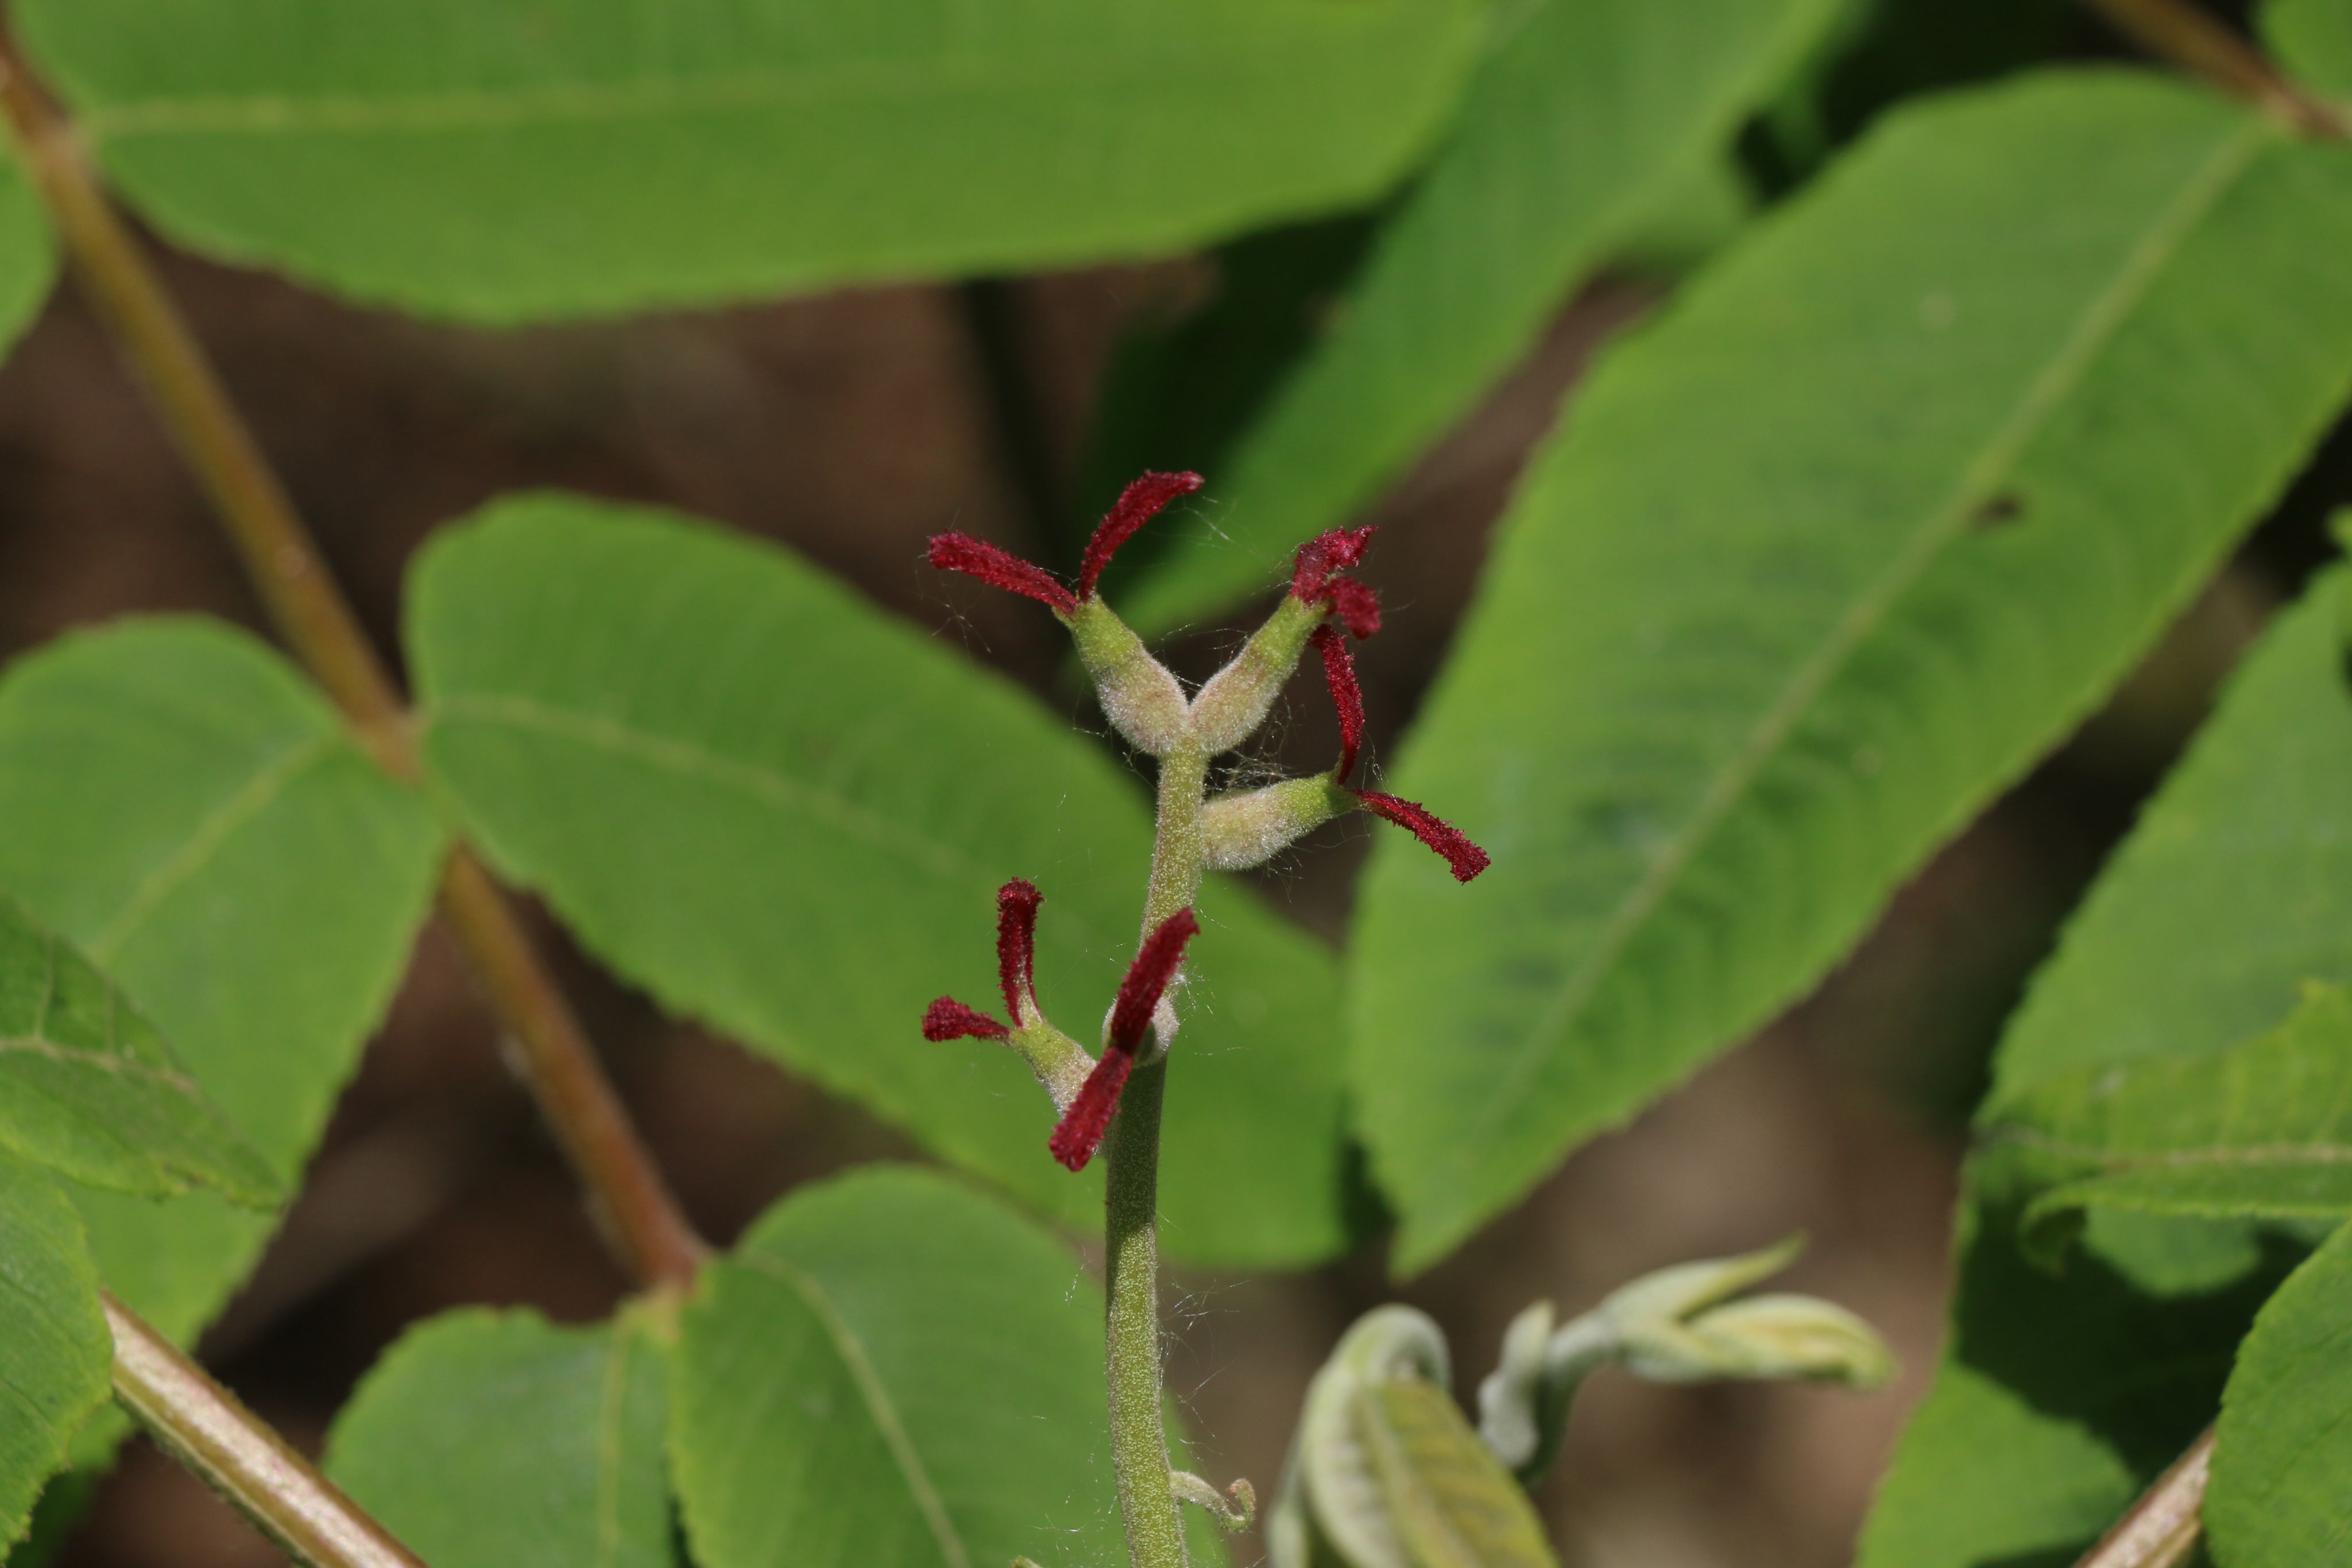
<point>2063,1394</point>
<point>57,1358</point>
<point>28,253</point>
<point>500,159</point>
<point>1589,118</point>
<point>2313,39</point>
<point>186,811</point>
<point>781,813</point>
<point>494,1440</point>
<point>88,1088</point>
<point>2282,1456</point>
<point>1821,560</point>
<point>892,1370</point>
<point>2261,1129</point>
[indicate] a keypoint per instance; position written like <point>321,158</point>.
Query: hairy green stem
<point>1139,1437</point>
<point>1177,846</point>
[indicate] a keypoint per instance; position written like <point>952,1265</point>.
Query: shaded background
<point>850,427</point>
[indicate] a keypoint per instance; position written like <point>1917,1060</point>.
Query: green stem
<point>1139,1437</point>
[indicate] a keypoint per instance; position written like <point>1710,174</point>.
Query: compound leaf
<point>88,1088</point>
<point>496,1439</point>
<point>781,813</point>
<point>894,1371</point>
<point>1820,560</point>
<point>500,159</point>
<point>2282,1454</point>
<point>2062,1394</point>
<point>56,1359</point>
<point>1585,122</point>
<point>190,813</point>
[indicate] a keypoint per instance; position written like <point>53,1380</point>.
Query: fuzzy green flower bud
<point>1236,699</point>
<point>1142,699</point>
<point>1250,827</point>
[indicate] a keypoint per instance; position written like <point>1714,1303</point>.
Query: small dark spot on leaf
<point>2001,507</point>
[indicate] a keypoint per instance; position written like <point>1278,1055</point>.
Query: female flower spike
<point>1082,1126</point>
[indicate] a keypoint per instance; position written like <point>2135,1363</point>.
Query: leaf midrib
<point>236,808</point>
<point>2108,1160</point>
<point>105,1061</point>
<point>864,81</point>
<point>2059,378</point>
<point>924,1491</point>
<point>789,795</point>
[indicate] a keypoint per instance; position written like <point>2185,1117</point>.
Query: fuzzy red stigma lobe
<point>1466,859</point>
<point>947,1019</point>
<point>1357,606</point>
<point>1326,553</point>
<point>1137,505</point>
<point>1080,1131</point>
<point>1000,568</point>
<point>1340,675</point>
<point>1155,965</point>
<point>1016,942</point>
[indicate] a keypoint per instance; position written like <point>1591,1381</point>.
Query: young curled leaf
<point>1775,1336</point>
<point>1680,1325</point>
<point>1387,1473</point>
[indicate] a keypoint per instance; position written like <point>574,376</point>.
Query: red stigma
<point>1016,942</point>
<point>1466,858</point>
<point>1314,579</point>
<point>1155,965</point>
<point>1340,675</point>
<point>1000,568</point>
<point>949,1019</point>
<point>1319,558</point>
<point>1137,505</point>
<point>1080,1131</point>
<point>1357,606</point>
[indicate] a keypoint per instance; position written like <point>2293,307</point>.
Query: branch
<point>291,578</point>
<point>2178,31</point>
<point>207,1430</point>
<point>2162,1528</point>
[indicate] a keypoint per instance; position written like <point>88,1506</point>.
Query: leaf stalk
<point>2179,32</point>
<point>205,1427</point>
<point>2162,1528</point>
